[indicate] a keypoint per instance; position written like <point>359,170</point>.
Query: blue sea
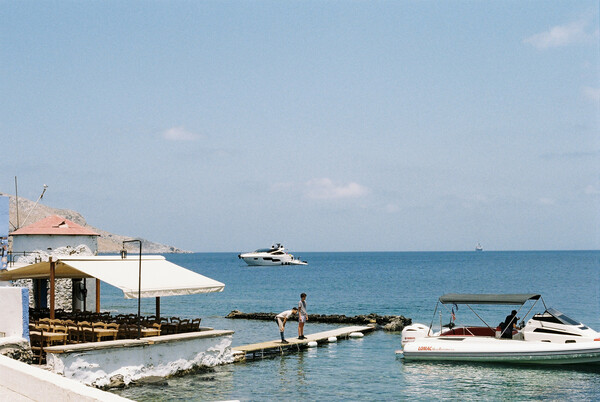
<point>386,283</point>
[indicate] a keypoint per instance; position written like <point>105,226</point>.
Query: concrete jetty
<point>274,348</point>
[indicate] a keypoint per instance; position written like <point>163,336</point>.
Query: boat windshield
<point>264,250</point>
<point>561,317</point>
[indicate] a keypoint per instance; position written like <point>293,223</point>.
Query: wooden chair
<point>72,331</point>
<point>175,322</point>
<point>58,336</point>
<point>114,327</point>
<point>59,327</point>
<point>42,327</point>
<point>101,331</point>
<point>170,327</point>
<point>105,316</point>
<point>195,325</point>
<point>127,331</point>
<point>38,343</point>
<point>55,322</point>
<point>86,331</point>
<point>184,326</point>
<point>123,330</point>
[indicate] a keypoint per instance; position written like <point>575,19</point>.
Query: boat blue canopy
<point>459,298</point>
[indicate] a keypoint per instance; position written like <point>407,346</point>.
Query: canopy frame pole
<point>158,308</point>
<point>52,287</point>
<point>526,314</point>
<point>455,321</point>
<point>429,331</point>
<point>482,320</point>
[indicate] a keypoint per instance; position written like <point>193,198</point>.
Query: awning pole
<point>97,295</point>
<point>52,275</point>
<point>158,308</point>
<point>123,256</point>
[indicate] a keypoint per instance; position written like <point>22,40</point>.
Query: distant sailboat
<point>478,247</point>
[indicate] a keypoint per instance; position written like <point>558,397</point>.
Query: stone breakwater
<point>386,322</point>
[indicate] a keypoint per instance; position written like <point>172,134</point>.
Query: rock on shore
<point>17,350</point>
<point>107,242</point>
<point>386,322</point>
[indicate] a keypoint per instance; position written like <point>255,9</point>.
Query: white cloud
<point>392,208</point>
<point>180,134</point>
<point>562,35</point>
<point>325,188</point>
<point>592,94</point>
<point>547,201</point>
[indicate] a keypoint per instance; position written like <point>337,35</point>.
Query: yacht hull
<point>264,261</point>
<point>501,351</point>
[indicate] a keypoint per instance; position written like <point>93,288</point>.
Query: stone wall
<point>63,287</point>
<point>387,322</point>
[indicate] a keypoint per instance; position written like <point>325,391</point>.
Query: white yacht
<point>549,337</point>
<point>478,247</point>
<point>276,255</point>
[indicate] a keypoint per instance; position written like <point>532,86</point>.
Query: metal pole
<point>17,201</point>
<point>52,287</point>
<point>140,295</point>
<point>139,317</point>
<point>97,295</point>
<point>35,205</point>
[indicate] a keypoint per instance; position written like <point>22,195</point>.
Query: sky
<point>220,126</point>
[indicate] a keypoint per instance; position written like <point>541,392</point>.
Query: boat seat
<point>470,331</point>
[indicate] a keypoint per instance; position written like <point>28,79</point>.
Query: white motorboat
<point>276,255</point>
<point>547,338</point>
<point>478,247</point>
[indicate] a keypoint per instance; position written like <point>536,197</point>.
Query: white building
<point>49,234</point>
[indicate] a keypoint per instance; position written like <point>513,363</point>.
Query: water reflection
<point>449,380</point>
<point>300,370</point>
<point>331,349</point>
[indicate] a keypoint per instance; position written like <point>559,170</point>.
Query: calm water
<point>384,283</point>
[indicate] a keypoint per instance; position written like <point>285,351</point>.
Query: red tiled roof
<point>54,225</point>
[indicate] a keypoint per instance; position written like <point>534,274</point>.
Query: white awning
<point>159,276</point>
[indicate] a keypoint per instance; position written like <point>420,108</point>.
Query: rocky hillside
<point>107,242</point>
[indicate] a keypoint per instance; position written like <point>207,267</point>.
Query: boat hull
<point>296,262</point>
<point>501,351</point>
<point>261,261</point>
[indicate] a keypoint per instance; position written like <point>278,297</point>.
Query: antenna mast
<point>17,196</point>
<point>38,200</point>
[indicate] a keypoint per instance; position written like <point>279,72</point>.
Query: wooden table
<point>150,332</point>
<point>101,333</point>
<point>51,338</point>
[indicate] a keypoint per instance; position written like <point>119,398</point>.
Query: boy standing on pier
<point>302,316</point>
<point>282,318</point>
